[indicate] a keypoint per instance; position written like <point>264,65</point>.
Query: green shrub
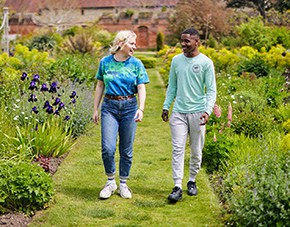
<point>160,41</point>
<point>42,43</point>
<point>149,62</point>
<point>251,124</point>
<point>285,143</point>
<point>24,187</point>
<point>76,67</point>
<point>286,126</point>
<point>216,149</point>
<point>256,65</point>
<point>258,193</point>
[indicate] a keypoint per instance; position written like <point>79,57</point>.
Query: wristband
<point>141,110</point>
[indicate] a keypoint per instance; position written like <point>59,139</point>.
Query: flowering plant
<point>43,115</point>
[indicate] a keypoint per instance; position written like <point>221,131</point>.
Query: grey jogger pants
<point>182,125</point>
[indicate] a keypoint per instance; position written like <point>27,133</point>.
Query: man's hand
<point>204,118</point>
<point>165,115</point>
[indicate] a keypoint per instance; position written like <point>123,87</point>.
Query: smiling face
<point>189,44</point>
<point>129,47</point>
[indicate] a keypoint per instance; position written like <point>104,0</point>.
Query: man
<point>193,86</point>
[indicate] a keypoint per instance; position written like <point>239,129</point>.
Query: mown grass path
<point>81,176</point>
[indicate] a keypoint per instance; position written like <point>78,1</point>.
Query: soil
<point>22,220</point>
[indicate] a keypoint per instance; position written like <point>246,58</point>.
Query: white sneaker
<point>108,190</point>
<point>125,192</point>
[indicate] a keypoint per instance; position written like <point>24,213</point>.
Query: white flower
<point>234,102</point>
<point>22,113</point>
<point>15,118</point>
<point>232,96</point>
<point>17,100</point>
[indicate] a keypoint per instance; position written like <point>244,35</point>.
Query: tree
<point>282,5</point>
<point>260,5</point>
<point>207,16</point>
<point>56,13</point>
<point>160,41</point>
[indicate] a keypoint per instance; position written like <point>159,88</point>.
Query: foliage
<point>251,124</point>
<point>259,36</point>
<point>159,41</point>
<point>285,143</point>
<point>149,62</point>
<point>76,67</point>
<point>256,65</point>
<point>80,43</point>
<point>45,42</point>
<point>260,5</point>
<point>257,192</point>
<point>207,16</point>
<point>216,149</point>
<point>286,126</point>
<point>47,117</point>
<point>24,187</point>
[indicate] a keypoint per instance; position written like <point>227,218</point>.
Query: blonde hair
<point>122,38</point>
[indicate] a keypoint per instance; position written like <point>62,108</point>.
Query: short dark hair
<point>191,31</point>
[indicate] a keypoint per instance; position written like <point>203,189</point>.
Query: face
<point>129,47</point>
<point>188,43</point>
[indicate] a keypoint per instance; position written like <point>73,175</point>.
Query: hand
<point>138,115</point>
<point>165,115</point>
<point>96,117</point>
<point>204,118</point>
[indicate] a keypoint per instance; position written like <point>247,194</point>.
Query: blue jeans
<point>117,118</point>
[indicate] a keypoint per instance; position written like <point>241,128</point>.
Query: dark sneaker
<point>176,194</point>
<point>191,188</point>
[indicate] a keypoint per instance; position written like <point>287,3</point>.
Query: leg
<point>179,131</point>
<point>197,136</point>
<point>109,127</point>
<point>127,132</point>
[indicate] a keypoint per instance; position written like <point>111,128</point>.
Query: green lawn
<point>81,176</point>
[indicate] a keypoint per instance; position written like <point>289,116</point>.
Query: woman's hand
<point>96,117</point>
<point>139,115</point>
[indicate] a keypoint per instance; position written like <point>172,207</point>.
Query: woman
<point>120,76</point>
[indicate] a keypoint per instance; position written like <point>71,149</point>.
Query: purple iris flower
<point>56,102</point>
<point>61,105</point>
<point>32,85</point>
<point>35,110</point>
<point>44,87</point>
<point>46,104</point>
<point>23,76</point>
<point>49,109</point>
<point>35,78</point>
<point>56,112</point>
<point>73,94</point>
<point>73,101</point>
<point>67,118</point>
<point>53,87</point>
<point>32,98</point>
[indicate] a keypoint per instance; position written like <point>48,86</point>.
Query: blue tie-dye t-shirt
<point>121,78</point>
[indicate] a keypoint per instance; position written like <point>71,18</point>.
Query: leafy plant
<point>24,187</point>
<point>216,150</point>
<point>256,65</point>
<point>251,124</point>
<point>259,195</point>
<point>160,41</point>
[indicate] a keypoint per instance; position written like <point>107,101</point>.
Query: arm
<point>98,96</point>
<point>210,84</point>
<point>170,93</point>
<point>141,97</point>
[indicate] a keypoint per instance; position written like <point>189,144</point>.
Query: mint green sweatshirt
<point>192,83</point>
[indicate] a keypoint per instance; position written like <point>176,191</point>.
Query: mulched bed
<point>20,220</point>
